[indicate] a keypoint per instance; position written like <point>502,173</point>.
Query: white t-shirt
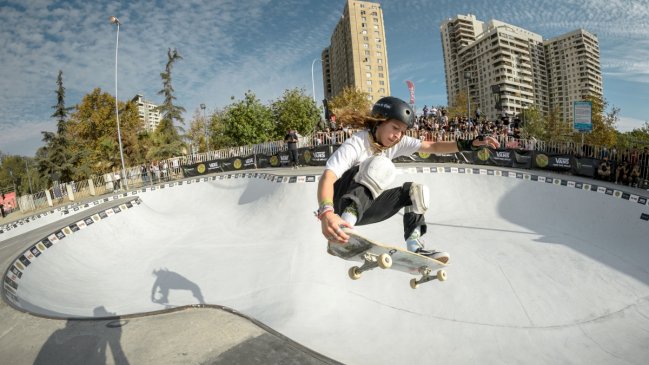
<point>358,148</point>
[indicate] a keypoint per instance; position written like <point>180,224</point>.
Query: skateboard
<point>373,254</point>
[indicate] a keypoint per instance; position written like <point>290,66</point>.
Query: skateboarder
<point>353,187</point>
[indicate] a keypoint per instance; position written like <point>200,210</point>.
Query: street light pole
<point>114,20</point>
<point>207,143</point>
<point>467,77</point>
<point>313,79</point>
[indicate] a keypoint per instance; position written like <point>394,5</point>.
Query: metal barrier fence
<point>171,169</point>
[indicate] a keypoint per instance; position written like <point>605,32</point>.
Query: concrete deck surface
<point>542,272</point>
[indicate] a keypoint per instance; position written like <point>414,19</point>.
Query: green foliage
<point>295,110</point>
<point>22,172</point>
<point>56,161</point>
<point>248,122</point>
<point>166,141</point>
<point>533,124</point>
<point>603,133</point>
<point>196,133</point>
<point>636,137</point>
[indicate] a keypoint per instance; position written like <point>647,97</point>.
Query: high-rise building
<point>573,69</point>
<point>148,113</point>
<point>506,69</point>
<point>357,56</point>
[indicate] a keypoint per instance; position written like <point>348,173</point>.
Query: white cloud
<point>627,124</point>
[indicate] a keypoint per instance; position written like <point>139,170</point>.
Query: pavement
<point>232,268</point>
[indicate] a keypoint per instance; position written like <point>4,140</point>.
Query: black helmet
<point>390,107</point>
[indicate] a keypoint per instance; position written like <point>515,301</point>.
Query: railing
<point>171,169</point>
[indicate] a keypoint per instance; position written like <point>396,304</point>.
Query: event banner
<point>222,165</point>
<point>585,166</point>
<point>486,156</point>
<point>319,155</point>
<point>550,161</point>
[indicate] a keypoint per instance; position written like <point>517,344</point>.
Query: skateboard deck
<point>373,254</point>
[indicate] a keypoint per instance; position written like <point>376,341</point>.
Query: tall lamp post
<point>467,78</point>
<point>313,79</point>
<point>114,20</point>
<point>207,143</point>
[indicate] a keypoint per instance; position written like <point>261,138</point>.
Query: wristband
<point>323,210</point>
<point>326,202</point>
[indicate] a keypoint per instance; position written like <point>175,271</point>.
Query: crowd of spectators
<point>628,167</point>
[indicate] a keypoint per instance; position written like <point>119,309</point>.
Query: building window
<point>368,74</point>
<point>380,68</point>
<point>381,75</point>
<point>367,53</point>
<point>379,60</point>
<point>365,45</point>
<point>369,82</point>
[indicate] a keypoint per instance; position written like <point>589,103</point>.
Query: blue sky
<point>267,46</point>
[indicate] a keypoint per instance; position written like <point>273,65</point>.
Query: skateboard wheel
<point>354,274</point>
<point>385,261</point>
<point>413,283</point>
<point>441,275</point>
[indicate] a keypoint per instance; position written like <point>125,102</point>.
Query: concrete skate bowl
<point>544,270</point>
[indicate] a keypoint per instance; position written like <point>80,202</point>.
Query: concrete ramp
<point>544,270</point>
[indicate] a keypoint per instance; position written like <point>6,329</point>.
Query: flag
<point>411,88</point>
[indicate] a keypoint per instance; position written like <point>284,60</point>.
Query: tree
<point>56,162</point>
<point>295,110</point>
<point>166,140</point>
<point>350,101</point>
<point>248,122</point>
<point>533,124</point>
<point>603,133</point>
<point>196,133</point>
<point>217,124</point>
<point>18,171</point>
<point>557,130</point>
<point>636,137</point>
<point>458,105</point>
<point>93,130</point>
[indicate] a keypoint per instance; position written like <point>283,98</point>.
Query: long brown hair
<point>356,119</point>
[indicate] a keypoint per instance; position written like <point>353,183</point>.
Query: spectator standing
<point>117,180</point>
<point>291,143</point>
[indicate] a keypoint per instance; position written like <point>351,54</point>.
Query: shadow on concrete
<point>168,280</point>
<point>85,342</point>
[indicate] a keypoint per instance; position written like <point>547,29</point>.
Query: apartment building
<point>357,55</point>
<point>147,112</point>
<point>574,69</point>
<point>507,69</point>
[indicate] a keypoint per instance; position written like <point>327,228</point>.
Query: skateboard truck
<point>384,261</point>
<point>426,277</point>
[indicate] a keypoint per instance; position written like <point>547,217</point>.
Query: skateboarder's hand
<point>332,228</point>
